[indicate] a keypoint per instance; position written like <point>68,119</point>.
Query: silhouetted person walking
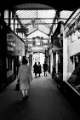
<point>45,68</point>
<point>39,68</point>
<point>35,66</point>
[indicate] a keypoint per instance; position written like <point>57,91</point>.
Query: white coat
<point>25,76</point>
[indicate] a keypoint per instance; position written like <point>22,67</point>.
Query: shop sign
<point>10,37</point>
<point>10,48</point>
<point>10,42</point>
<point>22,30</point>
<point>15,44</point>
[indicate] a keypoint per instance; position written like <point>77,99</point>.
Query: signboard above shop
<point>15,44</point>
<point>10,42</point>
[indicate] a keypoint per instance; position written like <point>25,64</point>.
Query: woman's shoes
<point>25,97</point>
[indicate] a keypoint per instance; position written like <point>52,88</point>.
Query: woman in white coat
<point>25,77</point>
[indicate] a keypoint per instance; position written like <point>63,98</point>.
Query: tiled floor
<point>46,102</point>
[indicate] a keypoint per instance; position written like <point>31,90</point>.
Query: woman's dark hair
<point>24,60</point>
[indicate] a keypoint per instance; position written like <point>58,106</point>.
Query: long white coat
<point>25,76</point>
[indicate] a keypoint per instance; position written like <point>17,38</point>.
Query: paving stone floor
<point>45,102</point>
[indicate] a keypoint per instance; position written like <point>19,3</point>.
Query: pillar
<point>56,62</point>
<point>65,57</point>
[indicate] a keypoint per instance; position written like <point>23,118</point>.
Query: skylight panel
<point>65,14</point>
<point>46,13</point>
<point>46,22</point>
<point>37,19</point>
<point>44,29</point>
<point>37,33</point>
<point>74,17</point>
<point>26,13</point>
<point>31,29</point>
<point>25,21</point>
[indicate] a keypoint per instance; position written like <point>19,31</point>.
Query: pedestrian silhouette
<point>35,66</point>
<point>45,68</point>
<point>39,68</point>
<point>25,77</point>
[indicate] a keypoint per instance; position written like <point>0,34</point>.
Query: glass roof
<point>41,19</point>
<point>64,15</point>
<point>37,33</point>
<point>37,19</point>
<point>41,22</point>
<point>36,13</point>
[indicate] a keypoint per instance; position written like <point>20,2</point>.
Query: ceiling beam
<point>31,32</point>
<point>56,18</point>
<point>40,18</point>
<point>43,32</point>
<point>20,22</point>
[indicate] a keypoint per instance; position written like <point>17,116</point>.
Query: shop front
<point>71,52</point>
<point>57,50</point>
<point>15,51</point>
<point>57,72</point>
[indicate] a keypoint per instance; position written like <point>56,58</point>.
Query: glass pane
<point>46,13</point>
<point>6,16</point>
<point>44,29</point>
<point>36,18</point>
<point>64,15</point>
<point>27,13</point>
<point>37,33</point>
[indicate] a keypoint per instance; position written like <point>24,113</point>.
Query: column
<point>56,62</point>
<point>65,57</point>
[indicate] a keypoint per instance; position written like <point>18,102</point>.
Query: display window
<point>9,66</point>
<point>74,80</point>
<point>60,64</point>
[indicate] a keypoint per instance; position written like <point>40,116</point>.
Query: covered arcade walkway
<point>46,102</point>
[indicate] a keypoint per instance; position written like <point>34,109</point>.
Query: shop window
<point>74,80</point>
<point>60,64</point>
<point>9,64</point>
<point>77,60</point>
<point>6,16</point>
